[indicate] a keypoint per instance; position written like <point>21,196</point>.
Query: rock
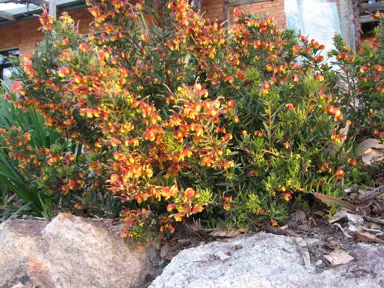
<point>68,252</point>
<point>267,260</point>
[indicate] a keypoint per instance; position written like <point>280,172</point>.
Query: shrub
<point>181,117</point>
<point>363,76</point>
<point>18,125</point>
<point>25,138</point>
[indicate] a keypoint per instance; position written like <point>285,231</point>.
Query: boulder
<point>68,252</point>
<point>270,261</point>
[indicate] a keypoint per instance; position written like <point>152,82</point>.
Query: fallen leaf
<point>354,221</point>
<point>370,143</point>
<point>333,200</point>
<point>344,131</point>
<point>227,233</point>
<point>164,251</point>
<point>371,151</point>
<point>304,252</point>
<point>222,256</point>
<point>339,215</point>
<point>338,257</point>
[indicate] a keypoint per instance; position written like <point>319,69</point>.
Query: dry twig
<point>370,195</point>
<point>374,220</point>
<point>368,238</point>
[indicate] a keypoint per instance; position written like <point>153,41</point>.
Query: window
<point>6,68</point>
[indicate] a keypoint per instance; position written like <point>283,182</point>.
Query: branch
<point>370,195</point>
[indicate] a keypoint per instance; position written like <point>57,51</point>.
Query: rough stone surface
<point>268,261</point>
<point>67,252</point>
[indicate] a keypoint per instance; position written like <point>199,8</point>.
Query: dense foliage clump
<point>173,116</point>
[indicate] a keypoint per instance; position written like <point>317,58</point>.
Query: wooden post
<point>196,4</point>
<point>343,20</point>
<point>352,27</point>
<point>226,12</point>
<point>52,8</point>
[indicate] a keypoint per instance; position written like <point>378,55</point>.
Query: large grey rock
<point>68,252</point>
<point>268,261</point>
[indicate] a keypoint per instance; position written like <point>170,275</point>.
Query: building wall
<point>213,10</point>
<point>274,8</point>
<point>10,35</point>
<point>24,34</point>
